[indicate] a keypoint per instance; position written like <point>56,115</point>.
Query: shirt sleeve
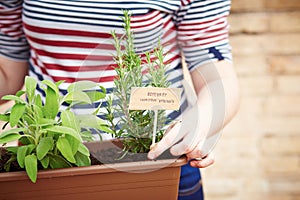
<point>203,31</point>
<point>13,44</point>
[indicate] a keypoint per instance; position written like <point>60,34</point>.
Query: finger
<point>190,124</point>
<point>195,153</point>
<point>205,162</point>
<point>192,140</point>
<point>168,140</point>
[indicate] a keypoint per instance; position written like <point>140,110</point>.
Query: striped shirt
<point>71,40</point>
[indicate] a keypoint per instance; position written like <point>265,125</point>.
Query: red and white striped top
<point>71,40</point>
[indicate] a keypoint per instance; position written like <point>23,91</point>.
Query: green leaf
<point>45,162</point>
<point>28,120</point>
<point>65,149</point>
<point>38,105</point>
<point>82,85</point>
<point>90,121</point>
<point>51,107</point>
<point>82,160</point>
<point>103,89</point>
<point>30,85</point>
<point>11,135</point>
<point>44,122</point>
<point>44,146</point>
<point>16,114</point>
<point>24,140</point>
<point>57,161</point>
<point>51,85</point>
<point>106,129</point>
<point>4,117</point>
<point>74,143</point>
<point>95,95</point>
<point>38,101</point>
<point>83,149</point>
<point>21,154</point>
<point>31,167</point>
<point>87,136</point>
<point>12,149</point>
<point>59,82</point>
<point>77,97</point>
<point>64,130</point>
<point>30,148</point>
<point>20,93</point>
<point>14,98</point>
<point>69,119</point>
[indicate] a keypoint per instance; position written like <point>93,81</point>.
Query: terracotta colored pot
<point>126,180</point>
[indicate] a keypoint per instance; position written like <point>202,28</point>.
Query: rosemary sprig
<point>135,125</point>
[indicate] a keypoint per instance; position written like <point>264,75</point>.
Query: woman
<point>71,40</point>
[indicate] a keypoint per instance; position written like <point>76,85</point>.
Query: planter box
<point>127,180</point>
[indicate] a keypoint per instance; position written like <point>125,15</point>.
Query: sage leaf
<point>87,136</point>
<point>106,129</point>
<point>38,101</point>
<point>51,85</point>
<point>69,119</point>
<point>20,93</point>
<point>83,149</point>
<point>31,167</point>
<point>77,97</point>
<point>59,82</point>
<point>4,117</point>
<point>65,149</point>
<point>82,160</point>
<point>11,135</point>
<point>30,148</point>
<point>56,161</point>
<point>44,146</point>
<point>90,121</point>
<point>82,85</point>
<point>28,120</point>
<point>30,85</point>
<point>13,98</point>
<point>12,149</point>
<point>51,105</point>
<point>21,154</point>
<point>103,89</point>
<point>45,162</point>
<point>95,95</point>
<point>74,143</point>
<point>38,106</point>
<point>16,114</point>
<point>44,122</point>
<point>64,130</point>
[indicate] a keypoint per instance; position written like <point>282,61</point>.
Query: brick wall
<point>258,156</point>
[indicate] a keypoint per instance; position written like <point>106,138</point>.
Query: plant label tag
<point>154,98</point>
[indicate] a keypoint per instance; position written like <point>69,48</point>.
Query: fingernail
<point>151,156</point>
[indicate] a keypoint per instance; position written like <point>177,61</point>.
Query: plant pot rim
<point>130,167</point>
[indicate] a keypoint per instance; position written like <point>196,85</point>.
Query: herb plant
<point>51,137</point>
<point>136,126</point>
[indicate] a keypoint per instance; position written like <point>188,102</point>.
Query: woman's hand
<point>215,104</point>
<point>187,137</point>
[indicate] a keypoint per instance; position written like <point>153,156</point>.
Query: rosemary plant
<point>136,126</point>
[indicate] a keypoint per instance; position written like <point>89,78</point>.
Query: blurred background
<point>258,155</point>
